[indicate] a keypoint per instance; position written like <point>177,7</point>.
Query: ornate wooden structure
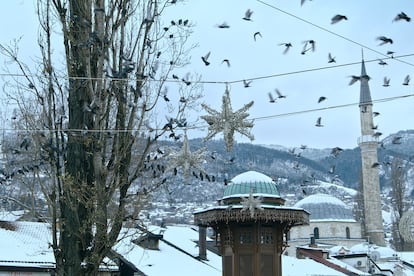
<point>251,237</point>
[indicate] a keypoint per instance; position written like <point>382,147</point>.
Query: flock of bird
<point>309,46</point>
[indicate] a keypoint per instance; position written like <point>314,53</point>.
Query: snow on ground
<point>351,192</point>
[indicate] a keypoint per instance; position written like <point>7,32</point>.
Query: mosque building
<point>331,223</point>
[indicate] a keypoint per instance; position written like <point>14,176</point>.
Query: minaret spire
<point>365,93</point>
<point>368,143</point>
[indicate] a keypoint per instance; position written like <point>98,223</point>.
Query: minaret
<point>368,143</point>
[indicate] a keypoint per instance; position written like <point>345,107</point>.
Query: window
<point>316,233</point>
<point>246,236</point>
<point>348,233</point>
<point>266,236</point>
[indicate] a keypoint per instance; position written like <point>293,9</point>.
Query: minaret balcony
<point>368,139</point>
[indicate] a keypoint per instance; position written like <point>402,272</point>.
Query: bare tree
<point>399,201</point>
<point>92,123</point>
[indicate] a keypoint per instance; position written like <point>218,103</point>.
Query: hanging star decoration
<point>228,121</point>
<point>186,159</point>
<point>251,203</point>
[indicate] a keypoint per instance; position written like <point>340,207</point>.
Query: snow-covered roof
<point>11,215</point>
<point>383,251</point>
<point>323,207</point>
<point>305,267</point>
<point>251,182</point>
<point>251,176</point>
<point>180,258</point>
<point>319,198</point>
<point>26,244</point>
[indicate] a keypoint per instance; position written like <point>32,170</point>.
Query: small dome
<point>251,182</point>
<point>325,207</point>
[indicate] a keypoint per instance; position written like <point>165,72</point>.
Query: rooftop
<point>325,207</point>
<point>251,182</point>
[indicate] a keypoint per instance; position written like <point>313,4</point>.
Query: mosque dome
<point>325,207</point>
<point>255,183</point>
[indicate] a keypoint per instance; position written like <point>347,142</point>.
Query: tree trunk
<point>76,223</point>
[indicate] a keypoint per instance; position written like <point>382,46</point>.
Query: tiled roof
<point>251,182</point>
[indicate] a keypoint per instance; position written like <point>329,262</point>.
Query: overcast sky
<point>301,78</point>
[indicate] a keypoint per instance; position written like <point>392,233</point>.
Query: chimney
<point>202,247</point>
<point>312,242</point>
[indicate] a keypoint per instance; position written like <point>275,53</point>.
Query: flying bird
<point>396,140</point>
<point>390,53</point>
<point>246,83</point>
<point>271,98</point>
<point>318,122</point>
<point>377,134</point>
<point>336,151</point>
<point>354,79</point>
<point>223,25</point>
<point>375,165</point>
<point>308,45</point>
<point>386,82</point>
<point>331,59</point>
<point>381,62</point>
<point>205,59</point>
<point>406,80</point>
<point>384,40</point>
<point>375,113</point>
<point>287,45</point>
<point>248,15</point>
<point>321,99</point>
<point>226,61</point>
<point>302,2</point>
<point>279,95</point>
<point>256,34</point>
<point>337,18</point>
<point>402,16</point>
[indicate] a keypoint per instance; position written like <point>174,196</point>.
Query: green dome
<point>251,182</point>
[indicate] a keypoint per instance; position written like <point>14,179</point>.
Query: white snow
<point>351,192</point>
<point>168,259</point>
<point>306,267</point>
<point>27,244</point>
<point>318,198</point>
<point>11,215</point>
<point>251,176</point>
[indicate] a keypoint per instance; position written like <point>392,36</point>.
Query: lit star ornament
<point>186,159</point>
<point>251,203</point>
<point>228,121</point>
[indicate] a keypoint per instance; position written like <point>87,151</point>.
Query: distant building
<point>331,223</point>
